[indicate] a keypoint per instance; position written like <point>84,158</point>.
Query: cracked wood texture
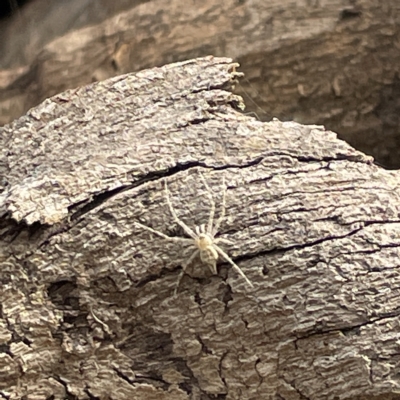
<point>87,301</point>
<point>334,63</point>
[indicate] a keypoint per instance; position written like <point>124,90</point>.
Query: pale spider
<point>203,238</point>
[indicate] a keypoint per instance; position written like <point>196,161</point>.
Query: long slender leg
<point>212,203</point>
<point>227,258</point>
<point>158,233</point>
<point>223,240</point>
<point>223,209</point>
<point>176,219</point>
<point>188,261</point>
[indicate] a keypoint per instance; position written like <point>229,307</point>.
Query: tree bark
<point>88,309</point>
<point>334,63</point>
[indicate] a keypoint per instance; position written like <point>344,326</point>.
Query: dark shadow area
<point>10,7</point>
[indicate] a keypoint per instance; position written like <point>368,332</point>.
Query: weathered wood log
<point>333,63</point>
<point>87,300</point>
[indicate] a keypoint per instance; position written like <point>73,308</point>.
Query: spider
<point>202,237</point>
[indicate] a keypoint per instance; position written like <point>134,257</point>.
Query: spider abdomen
<point>209,257</point>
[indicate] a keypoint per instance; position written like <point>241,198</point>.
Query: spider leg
<point>223,209</point>
<point>212,202</point>
<point>176,219</point>
<point>223,240</point>
<point>158,233</point>
<point>227,258</point>
<point>188,261</point>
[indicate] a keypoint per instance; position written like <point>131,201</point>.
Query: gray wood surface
<point>335,63</point>
<point>87,298</point>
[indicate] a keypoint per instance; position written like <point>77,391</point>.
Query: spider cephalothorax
<point>203,237</point>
